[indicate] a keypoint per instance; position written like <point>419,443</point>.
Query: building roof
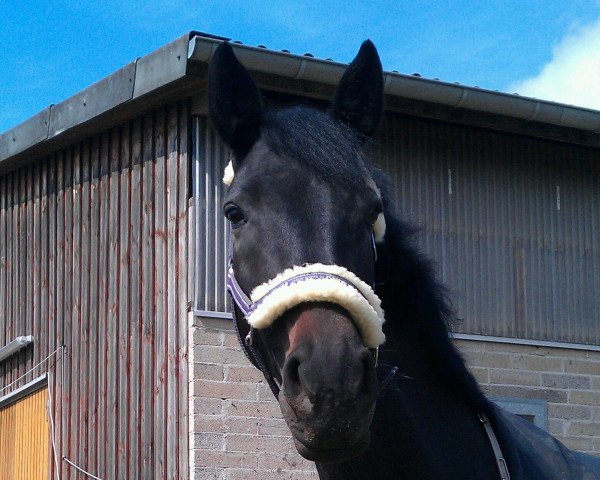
<point>174,69</point>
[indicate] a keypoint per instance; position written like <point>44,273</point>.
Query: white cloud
<point>573,74</point>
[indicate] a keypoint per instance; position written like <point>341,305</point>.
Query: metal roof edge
<point>161,67</point>
<point>135,80</point>
<point>30,132</point>
<point>94,100</point>
<point>303,67</point>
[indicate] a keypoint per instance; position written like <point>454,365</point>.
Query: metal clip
<point>374,245</point>
<point>504,469</point>
<point>250,337</point>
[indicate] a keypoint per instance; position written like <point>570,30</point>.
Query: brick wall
<point>237,433</point>
<point>568,379</point>
<point>236,428</point>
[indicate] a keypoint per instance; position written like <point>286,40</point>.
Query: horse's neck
<point>421,430</point>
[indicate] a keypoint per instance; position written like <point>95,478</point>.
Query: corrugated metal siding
<point>24,438</point>
<point>212,231</point>
<point>512,222</point>
<point>93,255</point>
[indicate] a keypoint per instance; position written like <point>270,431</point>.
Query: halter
<point>310,282</point>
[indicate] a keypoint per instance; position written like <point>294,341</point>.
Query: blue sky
<point>50,50</point>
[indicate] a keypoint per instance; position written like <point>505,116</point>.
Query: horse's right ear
<point>234,101</point>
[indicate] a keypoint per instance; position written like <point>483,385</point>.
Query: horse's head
<point>304,214</point>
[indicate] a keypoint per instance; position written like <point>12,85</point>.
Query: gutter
<point>407,86</point>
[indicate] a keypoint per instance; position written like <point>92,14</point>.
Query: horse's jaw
<point>332,455</point>
<point>328,438</point>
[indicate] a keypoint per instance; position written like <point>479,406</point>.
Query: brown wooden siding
<point>24,438</point>
<point>93,255</point>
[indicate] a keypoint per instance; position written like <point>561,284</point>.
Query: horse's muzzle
<point>329,384</point>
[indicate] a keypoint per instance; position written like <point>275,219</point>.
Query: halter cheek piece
<point>300,284</point>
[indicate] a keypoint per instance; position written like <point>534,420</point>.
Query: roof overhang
<point>407,86</point>
<point>179,69</point>
<point>14,346</point>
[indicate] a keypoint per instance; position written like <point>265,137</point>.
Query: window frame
<point>538,409</point>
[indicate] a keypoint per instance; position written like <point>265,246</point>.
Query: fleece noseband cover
<point>317,283</point>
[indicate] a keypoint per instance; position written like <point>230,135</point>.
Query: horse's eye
<point>234,215</point>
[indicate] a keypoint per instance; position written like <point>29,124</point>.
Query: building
<point>113,257</point>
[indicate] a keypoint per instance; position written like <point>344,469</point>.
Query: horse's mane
<point>416,302</point>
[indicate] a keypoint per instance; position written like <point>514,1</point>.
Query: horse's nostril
<point>291,376</point>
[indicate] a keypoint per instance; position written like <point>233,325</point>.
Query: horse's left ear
<point>234,101</point>
<point>358,99</point>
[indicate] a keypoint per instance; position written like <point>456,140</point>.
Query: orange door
<point>24,438</point>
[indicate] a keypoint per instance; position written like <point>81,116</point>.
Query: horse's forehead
<point>271,176</point>
<point>267,171</point>
<point>298,188</point>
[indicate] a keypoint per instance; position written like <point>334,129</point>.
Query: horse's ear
<point>234,101</point>
<point>358,100</point>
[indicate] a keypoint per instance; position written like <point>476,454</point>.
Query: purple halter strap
<point>245,304</point>
<point>237,294</point>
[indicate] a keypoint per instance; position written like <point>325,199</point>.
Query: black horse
<point>303,193</point>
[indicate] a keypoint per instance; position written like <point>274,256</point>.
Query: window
<point>510,221</point>
<point>534,411</point>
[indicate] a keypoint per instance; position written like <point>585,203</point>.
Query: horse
<point>337,307</point>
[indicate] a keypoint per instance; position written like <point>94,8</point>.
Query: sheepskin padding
<point>228,174</point>
<point>271,300</point>
<point>379,228</point>
<point>379,225</point>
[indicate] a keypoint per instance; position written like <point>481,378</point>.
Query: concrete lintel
<point>524,341</point>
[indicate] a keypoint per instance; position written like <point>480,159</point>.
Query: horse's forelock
<point>315,140</point>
